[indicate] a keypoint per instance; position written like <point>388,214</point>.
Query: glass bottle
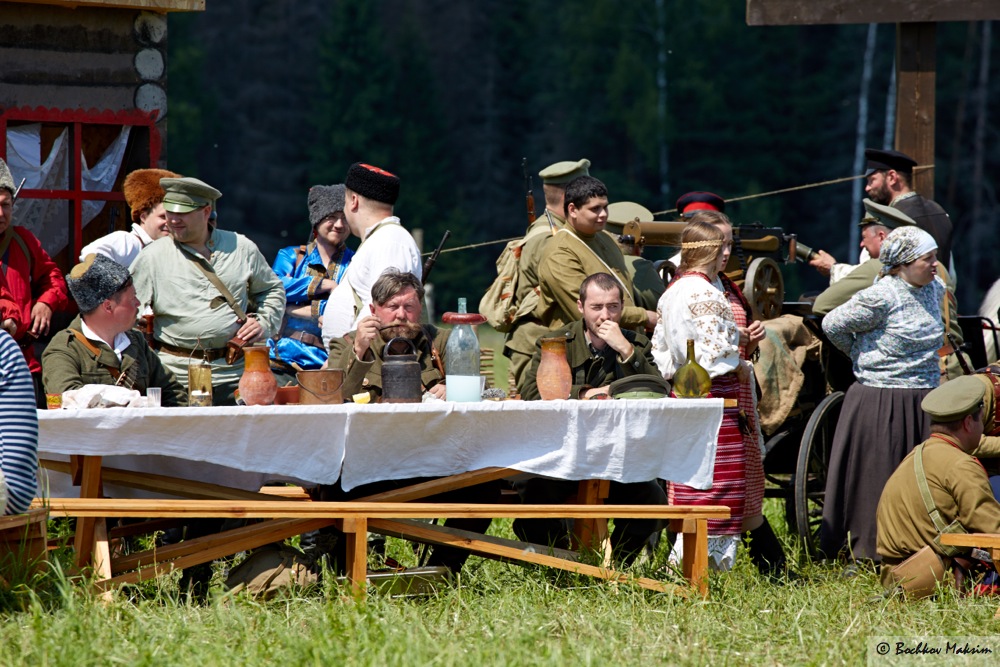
<point>199,381</point>
<point>691,380</point>
<point>463,382</point>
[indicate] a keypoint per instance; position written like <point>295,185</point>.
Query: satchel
<point>270,570</point>
<point>919,574</point>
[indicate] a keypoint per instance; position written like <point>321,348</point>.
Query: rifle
<point>529,197</point>
<point>429,264</point>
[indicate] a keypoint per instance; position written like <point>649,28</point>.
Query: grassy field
<point>498,614</point>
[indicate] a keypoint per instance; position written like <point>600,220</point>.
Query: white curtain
<point>49,219</point>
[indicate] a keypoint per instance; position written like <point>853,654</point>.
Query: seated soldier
<point>397,299</point>
<point>396,309</point>
<point>101,345</point>
<point>599,352</point>
<point>955,481</point>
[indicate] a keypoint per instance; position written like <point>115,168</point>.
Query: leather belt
<point>209,354</point>
<point>307,338</point>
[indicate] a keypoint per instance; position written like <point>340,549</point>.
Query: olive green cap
<point>622,212</point>
<point>878,214</point>
<point>639,386</point>
<point>562,173</point>
<point>954,399</point>
<point>183,195</point>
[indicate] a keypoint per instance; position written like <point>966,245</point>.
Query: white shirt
<point>697,309</point>
<point>121,340</point>
<point>123,247</point>
<point>386,245</point>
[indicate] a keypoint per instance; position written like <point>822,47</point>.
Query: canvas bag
<point>269,570</point>
<point>499,305</point>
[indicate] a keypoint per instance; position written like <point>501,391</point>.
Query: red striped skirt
<point>738,480</point>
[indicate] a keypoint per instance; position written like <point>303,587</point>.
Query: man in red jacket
<point>31,285</point>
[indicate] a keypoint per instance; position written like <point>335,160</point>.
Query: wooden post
<point>915,81</point>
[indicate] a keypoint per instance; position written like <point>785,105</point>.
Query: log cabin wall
<point>85,58</point>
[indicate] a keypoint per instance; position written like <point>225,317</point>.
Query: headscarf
<point>902,246</point>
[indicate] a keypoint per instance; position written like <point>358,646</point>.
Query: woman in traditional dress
<point>892,332</point>
<point>703,306</point>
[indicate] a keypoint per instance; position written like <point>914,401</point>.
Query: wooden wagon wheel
<point>811,467</point>
<point>764,288</point>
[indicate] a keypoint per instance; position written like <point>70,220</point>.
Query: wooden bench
<point>986,541</point>
<point>357,518</point>
<point>23,542</point>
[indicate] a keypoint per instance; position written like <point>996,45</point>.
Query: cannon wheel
<point>764,288</point>
<point>810,470</point>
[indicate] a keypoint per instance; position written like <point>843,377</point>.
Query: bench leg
<point>593,533</point>
<point>356,531</point>
<point>695,562</point>
<point>84,542</point>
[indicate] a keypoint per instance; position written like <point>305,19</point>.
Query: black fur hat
<point>373,183</point>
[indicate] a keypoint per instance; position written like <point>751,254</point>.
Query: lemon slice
<point>362,398</point>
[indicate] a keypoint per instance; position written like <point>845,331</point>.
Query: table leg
<point>85,541</point>
<point>356,531</point>
<point>592,533</point>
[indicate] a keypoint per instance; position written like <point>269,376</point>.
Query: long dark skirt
<point>878,427</point>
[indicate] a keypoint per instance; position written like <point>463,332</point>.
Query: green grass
<point>498,615</point>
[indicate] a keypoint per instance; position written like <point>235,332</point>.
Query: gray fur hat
<point>324,200</point>
<point>96,279</point>
<point>6,178</point>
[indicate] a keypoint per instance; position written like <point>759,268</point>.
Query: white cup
<point>154,397</point>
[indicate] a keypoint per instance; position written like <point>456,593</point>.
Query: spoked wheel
<point>764,288</point>
<point>810,470</point>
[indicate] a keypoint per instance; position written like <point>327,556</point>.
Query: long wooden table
<point>462,444</point>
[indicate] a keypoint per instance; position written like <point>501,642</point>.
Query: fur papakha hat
<point>323,201</point>
<point>96,279</point>
<point>6,178</point>
<point>142,189</point>
<point>373,183</point>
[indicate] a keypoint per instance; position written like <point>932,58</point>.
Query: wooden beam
<point>915,99</point>
<point>159,6</point>
<point>824,12</point>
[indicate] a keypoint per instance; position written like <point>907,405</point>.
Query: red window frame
<point>75,119</point>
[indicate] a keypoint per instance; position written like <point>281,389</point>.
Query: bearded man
<point>396,307</point>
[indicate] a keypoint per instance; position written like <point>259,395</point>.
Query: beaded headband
<point>700,244</point>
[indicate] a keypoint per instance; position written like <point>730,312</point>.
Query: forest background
<point>663,96</point>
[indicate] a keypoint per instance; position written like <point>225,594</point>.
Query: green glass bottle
<point>691,380</point>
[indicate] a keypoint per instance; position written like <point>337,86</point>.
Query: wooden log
<point>813,12</point>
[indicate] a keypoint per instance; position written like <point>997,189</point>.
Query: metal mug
<point>401,374</point>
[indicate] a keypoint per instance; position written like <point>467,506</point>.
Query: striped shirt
<point>18,427</point>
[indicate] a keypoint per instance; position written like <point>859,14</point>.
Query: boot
<point>766,551</point>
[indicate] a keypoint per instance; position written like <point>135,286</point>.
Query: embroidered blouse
<point>892,331</point>
<point>697,308</point>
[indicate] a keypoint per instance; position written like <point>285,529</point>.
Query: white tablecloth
<point>625,441</point>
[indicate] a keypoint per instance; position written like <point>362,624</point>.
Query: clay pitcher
<point>258,385</point>
<point>320,387</point>
<point>401,374</point>
<point>554,378</point>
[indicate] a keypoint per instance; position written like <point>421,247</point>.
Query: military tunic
<point>68,364</point>
<point>959,488</point>
<point>188,309</point>
<point>519,344</point>
<point>567,262</point>
<point>588,369</point>
<point>366,374</point>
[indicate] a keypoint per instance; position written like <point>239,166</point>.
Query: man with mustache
<point>396,307</point>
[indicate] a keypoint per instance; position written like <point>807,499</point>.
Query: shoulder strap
<point>925,492</point>
<point>625,290</point>
<point>96,351</point>
<point>213,278</point>
<point>300,254</point>
<point>11,235</point>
